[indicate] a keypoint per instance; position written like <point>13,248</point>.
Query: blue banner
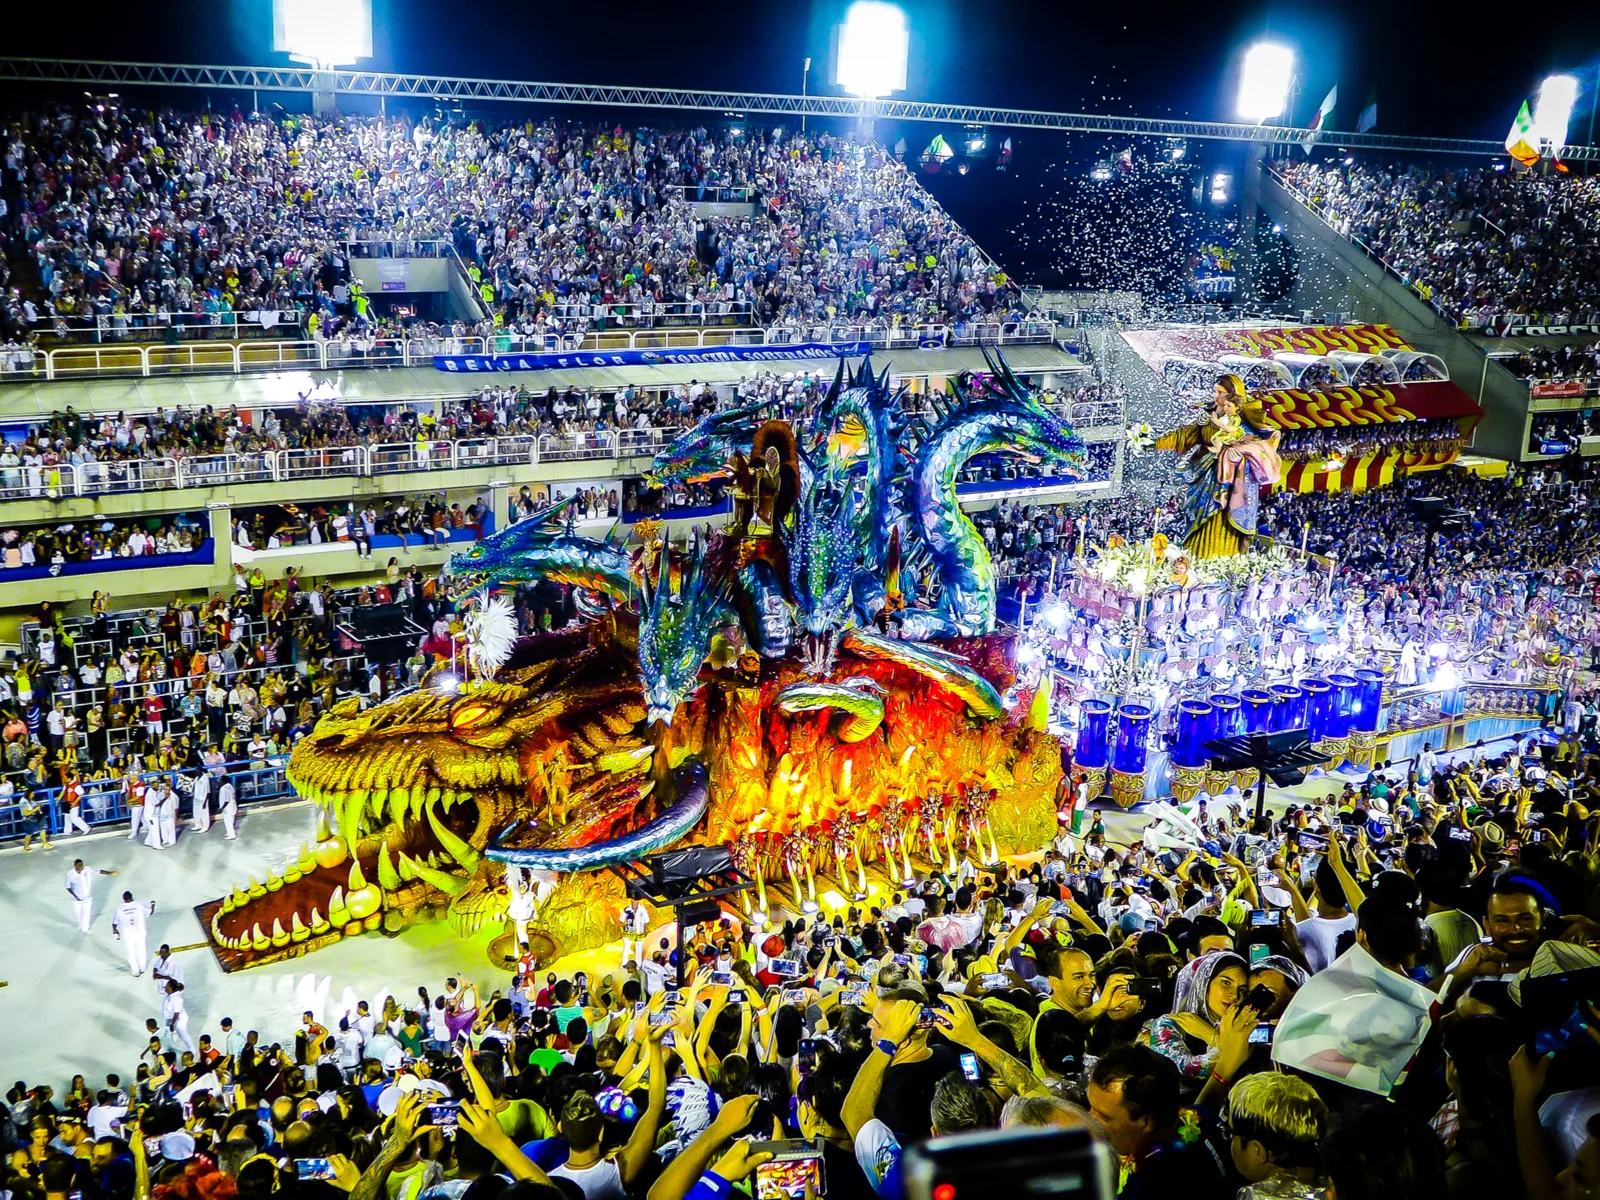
<point>471,364</point>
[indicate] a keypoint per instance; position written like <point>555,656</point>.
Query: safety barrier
<point>377,458</point>
<point>243,358</point>
<point>105,803</point>
<point>115,476</point>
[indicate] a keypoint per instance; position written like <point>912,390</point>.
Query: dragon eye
<point>472,715</point>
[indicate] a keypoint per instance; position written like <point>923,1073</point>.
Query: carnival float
<point>820,687</point>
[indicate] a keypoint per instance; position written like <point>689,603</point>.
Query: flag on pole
<point>1328,102</point>
<point>1369,113</point>
<point>1518,144</point>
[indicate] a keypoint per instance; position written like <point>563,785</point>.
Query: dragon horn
<point>838,383</point>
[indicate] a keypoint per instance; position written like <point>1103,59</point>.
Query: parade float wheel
<point>502,950</point>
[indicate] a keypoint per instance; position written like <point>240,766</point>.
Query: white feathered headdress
<point>491,630</point>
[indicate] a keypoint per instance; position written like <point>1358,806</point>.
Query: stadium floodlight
<point>874,44</point>
<point>1264,81</point>
<point>1553,110</point>
<point>325,33</point>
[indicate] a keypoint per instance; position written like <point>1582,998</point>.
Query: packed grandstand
<point>1362,973</point>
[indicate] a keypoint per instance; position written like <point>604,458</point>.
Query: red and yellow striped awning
<point>1368,471</point>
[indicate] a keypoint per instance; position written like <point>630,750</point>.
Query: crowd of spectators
<point>1489,247</point>
<point>427,518</point>
<point>1560,432</point>
<point>219,684</point>
<point>1214,1005</point>
<point>125,217</point>
<point>1517,523</point>
<point>98,539</point>
<point>128,451</point>
<point>1437,435</point>
<point>1570,360</point>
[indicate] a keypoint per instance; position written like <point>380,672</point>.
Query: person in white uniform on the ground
<point>227,807</point>
<point>80,886</point>
<point>168,813</point>
<point>202,803</point>
<point>175,1018</point>
<point>153,795</point>
<point>128,926</point>
<point>166,969</point>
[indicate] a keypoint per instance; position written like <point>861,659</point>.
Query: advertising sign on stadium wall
<point>394,274</point>
<point>1494,330</point>
<point>668,356</point>
<point>1562,387</point>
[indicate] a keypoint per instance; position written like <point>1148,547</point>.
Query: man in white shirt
<point>165,968</point>
<point>348,1043</point>
<point>168,814</point>
<point>128,926</point>
<point>233,1042</point>
<point>657,976</point>
<point>105,1118</point>
<point>365,1022</point>
<point>227,807</point>
<point>80,886</point>
<point>154,798</point>
<point>1319,933</point>
<point>1427,764</point>
<point>201,800</point>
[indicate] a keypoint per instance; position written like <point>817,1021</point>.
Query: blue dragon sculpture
<point>998,414</point>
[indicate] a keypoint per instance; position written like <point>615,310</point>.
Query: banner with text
<point>1559,387</point>
<point>667,356</point>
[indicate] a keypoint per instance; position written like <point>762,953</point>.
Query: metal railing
<point>112,329</point>
<point>105,802</point>
<point>384,246</point>
<point>243,358</point>
<point>717,193</point>
<point>375,458</point>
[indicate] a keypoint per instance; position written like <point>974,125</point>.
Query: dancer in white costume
<point>202,803</point>
<point>175,1018</point>
<point>128,926</point>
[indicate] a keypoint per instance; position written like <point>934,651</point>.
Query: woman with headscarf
<point>1281,976</point>
<point>1204,992</point>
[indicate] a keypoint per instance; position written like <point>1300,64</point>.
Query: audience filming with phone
<point>1315,1004</point>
